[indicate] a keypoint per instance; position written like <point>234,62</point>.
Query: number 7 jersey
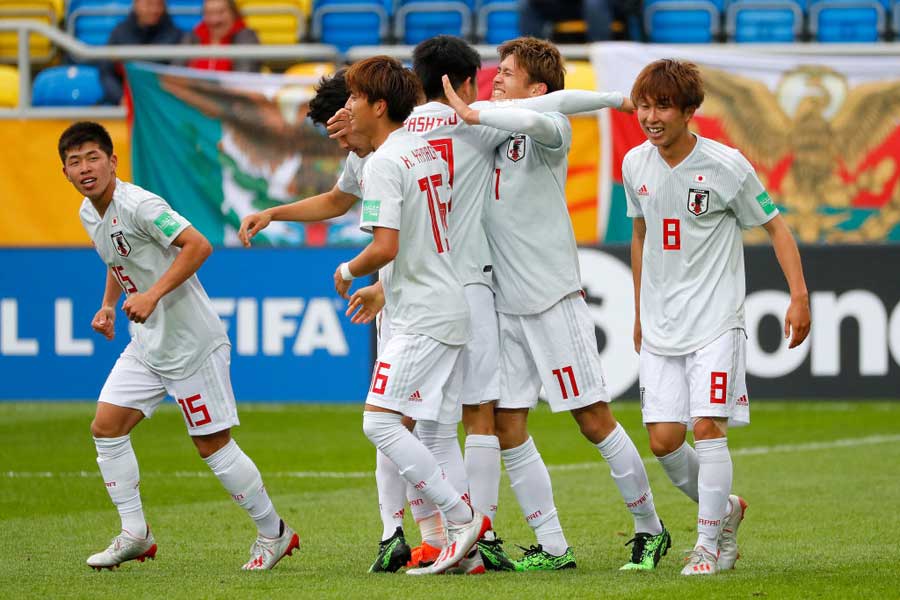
<point>405,186</point>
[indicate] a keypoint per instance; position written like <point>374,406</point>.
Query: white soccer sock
<point>391,494</point>
<point>682,467</point>
<point>483,467</point>
<point>627,470</point>
<point>433,531</point>
<point>416,463</point>
<point>713,486</point>
<point>530,482</point>
<point>241,478</point>
<point>442,441</point>
<point>119,468</point>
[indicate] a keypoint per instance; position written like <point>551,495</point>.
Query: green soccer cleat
<point>538,559</point>
<point>647,550</point>
<point>393,553</point>
<point>493,555</point>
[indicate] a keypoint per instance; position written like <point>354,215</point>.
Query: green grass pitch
<point>821,480</point>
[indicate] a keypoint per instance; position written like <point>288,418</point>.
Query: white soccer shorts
<point>419,377</point>
<point>710,382</point>
<point>481,356</point>
<point>557,349</point>
<point>205,398</point>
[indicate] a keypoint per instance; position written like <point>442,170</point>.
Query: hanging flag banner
<point>822,130</point>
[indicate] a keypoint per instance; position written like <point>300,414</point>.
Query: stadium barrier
<point>291,341</point>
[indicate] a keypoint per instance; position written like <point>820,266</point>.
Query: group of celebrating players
<point>478,306</point>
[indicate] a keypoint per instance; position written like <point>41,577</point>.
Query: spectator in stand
<point>147,23</point>
<point>536,17</point>
<point>222,24</point>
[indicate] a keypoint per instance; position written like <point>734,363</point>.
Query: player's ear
<point>380,107</point>
<point>114,161</point>
<point>689,113</point>
<point>539,89</point>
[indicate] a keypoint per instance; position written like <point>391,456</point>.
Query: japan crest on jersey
<point>515,150</point>
<point>698,202</point>
<point>121,244</point>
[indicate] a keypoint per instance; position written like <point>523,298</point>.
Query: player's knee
<point>662,445</point>
<point>382,427</point>
<point>596,421</point>
<point>511,435</point>
<point>707,428</point>
<point>207,445</point>
<point>101,428</point>
<point>479,420</point>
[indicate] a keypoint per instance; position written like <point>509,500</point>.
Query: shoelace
<point>532,550</point>
<point>640,544</point>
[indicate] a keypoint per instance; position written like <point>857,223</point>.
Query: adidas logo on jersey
<point>415,396</point>
<point>643,191</point>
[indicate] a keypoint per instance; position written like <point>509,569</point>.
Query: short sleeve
<point>160,221</point>
<point>382,195</point>
<point>348,182</point>
<point>633,206</point>
<point>752,204</point>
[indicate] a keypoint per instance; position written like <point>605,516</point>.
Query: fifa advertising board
<point>289,336</point>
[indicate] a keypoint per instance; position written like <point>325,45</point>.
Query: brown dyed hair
<point>540,59</point>
<point>385,78</point>
<point>677,82</point>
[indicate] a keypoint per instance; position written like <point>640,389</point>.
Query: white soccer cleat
<point>472,564</point>
<point>124,547</point>
<point>728,547</point>
<point>461,539</point>
<point>266,552</point>
<point>700,562</point>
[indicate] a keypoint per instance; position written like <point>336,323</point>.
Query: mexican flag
<point>822,130</point>
<point>219,146</point>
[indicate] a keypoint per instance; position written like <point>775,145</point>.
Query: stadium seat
<point>498,21</point>
<point>186,13</point>
<point>72,85</point>
<point>682,21</point>
<point>346,23</point>
<point>764,21</point>
<point>418,20</point>
<point>9,86</point>
<point>313,69</point>
<point>896,20</point>
<point>91,21</point>
<point>39,48</point>
<point>276,21</point>
<point>847,20</point>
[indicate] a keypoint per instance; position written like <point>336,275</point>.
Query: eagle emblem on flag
<point>698,202</point>
<point>515,151</point>
<point>120,243</point>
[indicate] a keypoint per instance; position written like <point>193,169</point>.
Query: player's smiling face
<point>512,81</point>
<point>90,169</point>
<point>663,123</point>
<point>363,116</point>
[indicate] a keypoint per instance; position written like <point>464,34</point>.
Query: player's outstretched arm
<point>797,319</point>
<point>571,102</point>
<point>194,250</point>
<point>104,321</point>
<point>333,203</point>
<point>366,303</point>
<point>638,233</point>
<point>381,250</point>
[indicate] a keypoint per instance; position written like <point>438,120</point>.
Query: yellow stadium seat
<point>276,21</point>
<point>314,69</point>
<point>9,86</point>
<point>44,11</point>
<point>580,75</point>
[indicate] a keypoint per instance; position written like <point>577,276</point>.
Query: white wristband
<point>346,275</point>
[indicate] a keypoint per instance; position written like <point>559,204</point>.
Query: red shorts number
<point>718,386</point>
<point>191,407</point>
<point>379,379</point>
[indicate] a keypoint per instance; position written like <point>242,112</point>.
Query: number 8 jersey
<point>134,238</point>
<point>692,278</point>
<point>405,186</point>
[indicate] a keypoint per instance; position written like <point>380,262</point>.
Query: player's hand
<point>139,306</point>
<point>104,322</point>
<point>627,106</point>
<point>797,321</point>
<point>366,302</point>
<point>638,337</point>
<point>251,225</point>
<point>341,286</point>
<point>466,113</point>
<point>339,125</point>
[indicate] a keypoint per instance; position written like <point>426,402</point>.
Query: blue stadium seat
<point>847,20</point>
<point>764,21</point>
<point>418,20</point>
<point>91,21</point>
<point>498,21</point>
<point>346,23</point>
<point>72,85</point>
<point>186,13</point>
<point>682,21</point>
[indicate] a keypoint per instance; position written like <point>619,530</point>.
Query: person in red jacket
<point>222,23</point>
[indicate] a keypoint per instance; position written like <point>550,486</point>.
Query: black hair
<point>331,96</point>
<point>444,55</point>
<point>81,133</point>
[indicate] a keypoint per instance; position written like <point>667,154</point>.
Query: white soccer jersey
<point>134,239</point>
<point>406,187</point>
<point>469,152</point>
<point>531,237</point>
<point>692,278</point>
<point>350,179</point>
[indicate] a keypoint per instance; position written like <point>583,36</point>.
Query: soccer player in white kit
<point>546,333</point>
<point>690,197</point>
<point>405,197</point>
<point>178,347</point>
